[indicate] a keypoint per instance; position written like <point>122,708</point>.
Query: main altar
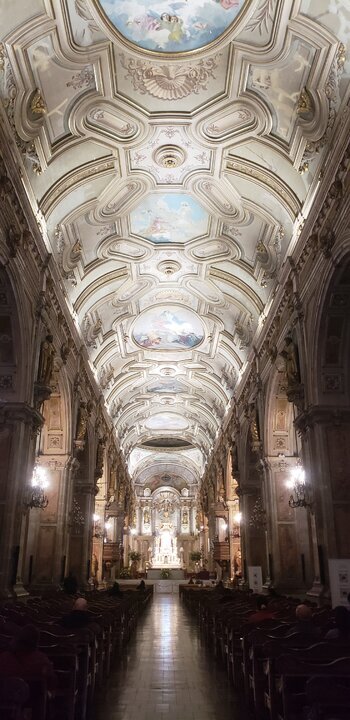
<point>165,553</point>
<point>163,531</point>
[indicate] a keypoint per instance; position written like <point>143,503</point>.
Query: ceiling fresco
<point>168,328</point>
<point>169,218</point>
<point>171,27</point>
<point>172,152</point>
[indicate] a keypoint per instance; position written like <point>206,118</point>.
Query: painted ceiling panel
<point>172,150</point>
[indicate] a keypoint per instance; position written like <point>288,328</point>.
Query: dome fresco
<point>168,328</point>
<point>172,26</point>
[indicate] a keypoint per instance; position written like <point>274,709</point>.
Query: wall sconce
<point>299,496</point>
<point>37,498</point>
<point>236,530</point>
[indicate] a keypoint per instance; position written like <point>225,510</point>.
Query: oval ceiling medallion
<point>168,328</point>
<point>172,26</point>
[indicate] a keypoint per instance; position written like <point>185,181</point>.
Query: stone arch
<point>288,529</point>
<point>47,546</point>
<point>328,419</point>
<point>332,339</point>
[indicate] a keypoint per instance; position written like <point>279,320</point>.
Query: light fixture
<point>299,496</point>
<point>39,483</point>
<point>237,517</point>
<point>97,529</point>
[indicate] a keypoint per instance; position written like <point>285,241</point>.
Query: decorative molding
<point>169,82</point>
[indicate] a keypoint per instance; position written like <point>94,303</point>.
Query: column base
<point>267,585</point>
<point>19,589</point>
<point>317,592</point>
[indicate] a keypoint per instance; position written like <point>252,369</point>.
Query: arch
<point>288,529</point>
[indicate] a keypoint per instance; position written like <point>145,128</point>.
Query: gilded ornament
<point>37,105</point>
<point>305,104</point>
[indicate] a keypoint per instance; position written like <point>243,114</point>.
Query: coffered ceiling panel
<point>171,151</point>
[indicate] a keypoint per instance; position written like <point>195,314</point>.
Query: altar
<point>165,548</point>
<point>175,574</point>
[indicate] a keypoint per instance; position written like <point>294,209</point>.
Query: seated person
<point>263,612</point>
<point>115,590</point>
<point>304,623</point>
<point>341,626</point>
<point>70,584</point>
<point>25,661</point>
<point>78,617</point>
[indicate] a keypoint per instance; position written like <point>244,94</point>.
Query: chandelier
<point>37,497</point>
<point>299,496</point>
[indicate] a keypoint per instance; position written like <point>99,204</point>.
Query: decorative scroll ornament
<point>169,82</point>
<point>258,516</point>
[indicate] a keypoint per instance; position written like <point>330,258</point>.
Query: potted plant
<point>135,557</point>
<point>196,556</point>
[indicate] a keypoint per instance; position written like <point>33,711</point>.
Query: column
<point>18,426</point>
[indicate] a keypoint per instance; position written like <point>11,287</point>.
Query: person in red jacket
<point>262,612</point>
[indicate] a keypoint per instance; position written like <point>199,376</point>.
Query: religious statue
<point>146,515</point>
<point>46,361</point>
<point>289,353</point>
<point>237,562</point>
<point>166,509</point>
<point>185,517</point>
<point>82,421</point>
<point>100,458</point>
<point>94,566</point>
<point>254,428</point>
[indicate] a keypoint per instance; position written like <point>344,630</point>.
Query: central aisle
<point>167,673</point>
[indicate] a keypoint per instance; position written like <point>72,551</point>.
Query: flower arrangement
<point>134,556</point>
<point>124,573</point>
<point>195,556</point>
<point>165,574</point>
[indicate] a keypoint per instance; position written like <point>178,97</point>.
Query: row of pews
<point>82,657</point>
<point>283,671</point>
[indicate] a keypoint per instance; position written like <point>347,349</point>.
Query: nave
<point>167,672</point>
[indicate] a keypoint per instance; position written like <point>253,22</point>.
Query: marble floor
<point>167,673</point>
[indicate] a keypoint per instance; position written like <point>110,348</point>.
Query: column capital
<point>14,412</point>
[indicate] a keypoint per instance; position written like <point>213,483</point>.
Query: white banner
<point>255,578</point>
<point>339,578</point>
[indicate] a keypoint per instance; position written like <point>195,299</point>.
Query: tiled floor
<point>167,673</point>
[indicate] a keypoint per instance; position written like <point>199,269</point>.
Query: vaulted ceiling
<point>172,151</point>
